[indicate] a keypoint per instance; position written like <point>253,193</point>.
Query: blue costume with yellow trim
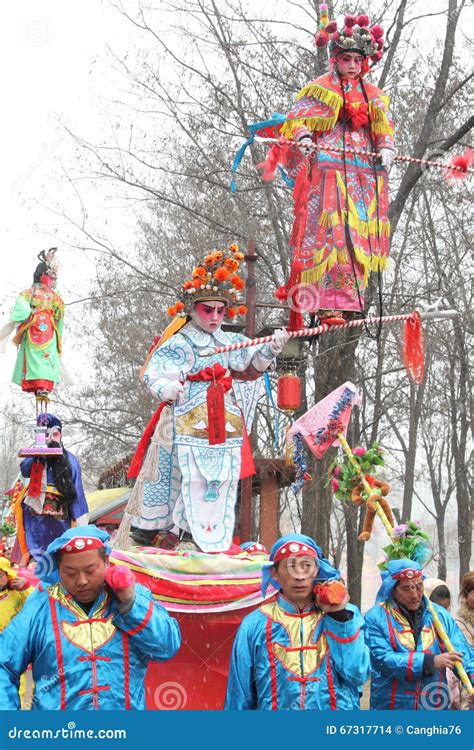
<point>286,659</point>
<point>400,677</point>
<point>83,661</point>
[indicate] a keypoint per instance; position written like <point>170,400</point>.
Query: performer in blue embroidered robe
<point>193,481</point>
<point>296,652</point>
<point>89,645</point>
<point>59,501</point>
<point>409,660</point>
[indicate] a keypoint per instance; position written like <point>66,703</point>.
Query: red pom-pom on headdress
<point>321,39</point>
<point>350,20</point>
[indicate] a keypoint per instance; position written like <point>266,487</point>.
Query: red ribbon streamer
<point>36,478</point>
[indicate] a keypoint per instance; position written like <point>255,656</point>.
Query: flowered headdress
<point>356,35</point>
<point>215,278</point>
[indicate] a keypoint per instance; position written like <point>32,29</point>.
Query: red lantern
<point>289,392</point>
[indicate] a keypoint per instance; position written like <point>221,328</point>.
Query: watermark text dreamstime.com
<point>67,733</point>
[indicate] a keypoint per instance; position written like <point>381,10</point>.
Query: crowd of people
<point>89,632</point>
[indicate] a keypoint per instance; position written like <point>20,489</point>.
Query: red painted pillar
<point>268,509</point>
<point>250,300</point>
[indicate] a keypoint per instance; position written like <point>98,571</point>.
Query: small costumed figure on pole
<point>39,314</point>
<point>196,446</point>
<point>49,497</point>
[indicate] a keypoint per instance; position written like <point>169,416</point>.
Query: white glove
<point>280,337</point>
<point>386,157</point>
<point>305,145</point>
<point>173,391</point>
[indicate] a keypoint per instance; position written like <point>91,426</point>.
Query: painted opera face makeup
<point>349,64</point>
<point>53,435</point>
<point>209,315</point>
<point>48,280</point>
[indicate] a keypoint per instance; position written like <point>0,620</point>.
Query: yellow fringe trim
<point>331,98</point>
<point>380,128</point>
<point>379,121</point>
<point>364,228</point>
<point>314,275</point>
<point>311,123</point>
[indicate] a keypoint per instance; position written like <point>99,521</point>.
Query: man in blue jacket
<point>89,642</point>
<point>409,660</point>
<point>296,652</point>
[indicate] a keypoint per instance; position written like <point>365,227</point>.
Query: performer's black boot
<point>143,537</point>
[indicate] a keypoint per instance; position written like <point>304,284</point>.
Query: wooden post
<point>269,509</point>
<point>250,299</point>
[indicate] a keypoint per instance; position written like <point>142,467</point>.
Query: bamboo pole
<point>389,529</point>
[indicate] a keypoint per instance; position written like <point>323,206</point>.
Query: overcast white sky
<point>46,52</point>
<point>50,54</point>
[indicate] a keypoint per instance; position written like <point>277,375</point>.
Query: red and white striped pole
<point>323,328</point>
<point>362,152</point>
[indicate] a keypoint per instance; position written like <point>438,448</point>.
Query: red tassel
<point>276,156</point>
<point>281,294</point>
<point>247,466</point>
<point>270,164</point>
<point>413,351</point>
<point>36,479</point>
<point>463,161</point>
<point>300,210</point>
<point>216,414</point>
<point>300,206</point>
<point>295,321</point>
<point>139,455</point>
